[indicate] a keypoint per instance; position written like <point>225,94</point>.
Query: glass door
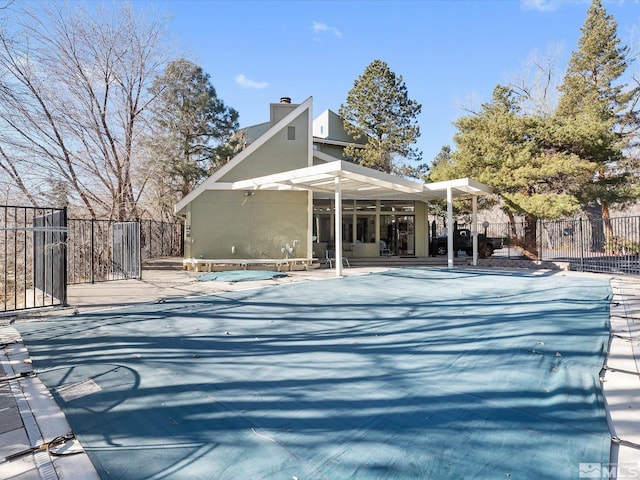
<point>405,234</point>
<point>398,234</point>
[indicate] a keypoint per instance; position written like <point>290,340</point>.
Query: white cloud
<point>540,5</point>
<point>244,82</point>
<point>319,27</point>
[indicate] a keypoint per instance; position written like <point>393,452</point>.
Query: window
<point>322,206</point>
<point>347,228</point>
<point>291,133</point>
<point>366,229</point>
<point>366,206</point>
<point>397,206</point>
<point>347,206</point>
<point>322,220</point>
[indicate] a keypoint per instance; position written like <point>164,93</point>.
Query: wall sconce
<point>247,194</point>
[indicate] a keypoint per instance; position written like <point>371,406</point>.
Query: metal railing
<point>611,246</point>
<point>587,245</point>
<point>95,254</point>
<point>41,252</point>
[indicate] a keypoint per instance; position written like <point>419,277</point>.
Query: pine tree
<point>594,107</point>
<point>514,153</point>
<point>378,108</point>
<point>190,130</point>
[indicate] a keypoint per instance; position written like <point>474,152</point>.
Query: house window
<point>366,228</point>
<point>397,206</point>
<point>291,133</point>
<point>366,206</point>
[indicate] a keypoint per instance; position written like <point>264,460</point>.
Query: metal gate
<point>32,257</point>
<point>50,254</point>
<point>126,250</point>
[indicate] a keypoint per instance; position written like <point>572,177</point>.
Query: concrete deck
<point>29,417</point>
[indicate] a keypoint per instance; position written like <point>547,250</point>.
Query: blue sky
<point>449,53</point>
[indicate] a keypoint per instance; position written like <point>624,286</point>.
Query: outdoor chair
<point>384,250</point>
<point>331,258</point>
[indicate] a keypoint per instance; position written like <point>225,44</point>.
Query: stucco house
<point>277,199</point>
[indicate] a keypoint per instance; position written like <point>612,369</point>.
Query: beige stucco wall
<point>229,224</point>
<point>421,229</point>
<point>277,154</point>
<point>333,150</point>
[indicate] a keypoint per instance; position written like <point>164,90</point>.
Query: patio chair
<point>384,250</point>
<point>331,258</point>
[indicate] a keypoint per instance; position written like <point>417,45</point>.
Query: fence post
<point>181,244</point>
<point>64,235</point>
<point>581,246</point>
<point>92,253</point>
<point>140,225</point>
<point>539,232</point>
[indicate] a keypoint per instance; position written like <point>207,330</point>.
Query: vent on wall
<point>291,133</point>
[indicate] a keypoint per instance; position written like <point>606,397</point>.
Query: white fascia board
<point>462,185</point>
<point>209,182</point>
<point>322,177</point>
<point>290,177</point>
<point>387,178</point>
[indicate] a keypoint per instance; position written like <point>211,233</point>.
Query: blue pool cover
<point>240,276</point>
<point>412,373</point>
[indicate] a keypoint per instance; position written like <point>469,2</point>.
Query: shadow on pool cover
<point>412,373</point>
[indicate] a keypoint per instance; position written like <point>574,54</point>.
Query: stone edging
<point>523,263</point>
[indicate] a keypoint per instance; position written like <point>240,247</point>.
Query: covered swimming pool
<point>409,373</point>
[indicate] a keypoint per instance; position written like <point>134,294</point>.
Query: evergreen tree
<point>440,165</point>
<point>514,153</point>
<point>190,130</point>
<point>378,108</point>
<point>594,109</point>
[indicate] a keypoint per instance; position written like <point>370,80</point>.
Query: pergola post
<point>474,228</point>
<point>310,241</point>
<point>450,231</point>
<point>338,226</point>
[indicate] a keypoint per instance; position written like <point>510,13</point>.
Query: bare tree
<point>536,83</point>
<point>73,93</point>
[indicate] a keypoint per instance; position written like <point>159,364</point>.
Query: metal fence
<point>611,246</point>
<point>41,252</point>
<point>32,258</point>
<point>587,245</point>
<point>103,250</point>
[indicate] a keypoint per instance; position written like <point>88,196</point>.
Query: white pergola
<point>342,179</point>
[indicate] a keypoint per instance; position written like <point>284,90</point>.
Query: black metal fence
<point>587,245</point>
<point>32,258</point>
<point>102,250</point>
<point>41,252</point>
<point>611,246</point>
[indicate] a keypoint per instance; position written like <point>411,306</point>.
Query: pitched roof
<point>306,105</point>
